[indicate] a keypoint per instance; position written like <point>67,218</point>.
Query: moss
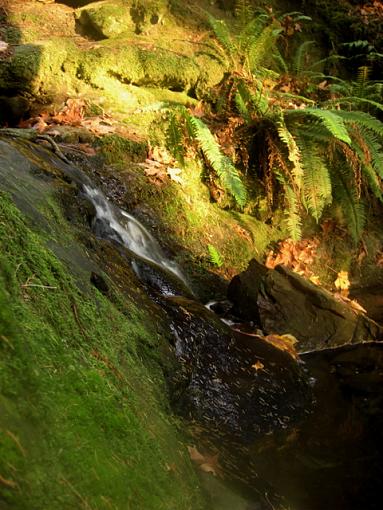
<point>116,149</point>
<point>37,68</point>
<point>106,20</point>
<point>139,66</point>
<point>82,421</point>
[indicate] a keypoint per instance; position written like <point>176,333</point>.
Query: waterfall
<point>128,231</point>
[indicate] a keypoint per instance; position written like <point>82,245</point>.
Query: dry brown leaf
<point>342,283</point>
<point>258,365</point>
<point>207,463</point>
<point>174,174</point>
<point>284,343</point>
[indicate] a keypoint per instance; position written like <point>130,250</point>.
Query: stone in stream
<point>280,301</point>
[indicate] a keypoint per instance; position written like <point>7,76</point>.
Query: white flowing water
<point>132,233</point>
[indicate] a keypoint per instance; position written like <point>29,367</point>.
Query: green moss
<point>139,66</point>
<point>116,149</point>
<point>82,421</point>
<point>106,20</point>
<point>38,68</point>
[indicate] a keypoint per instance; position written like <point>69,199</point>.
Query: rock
<point>281,301</point>
<point>103,20</point>
<point>238,386</point>
<point>12,110</point>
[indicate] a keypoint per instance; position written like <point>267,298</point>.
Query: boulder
<point>280,301</point>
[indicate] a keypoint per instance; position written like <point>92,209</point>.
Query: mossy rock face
<point>105,20</point>
<point>111,19</point>
<point>139,66</point>
<point>81,364</point>
<point>37,67</point>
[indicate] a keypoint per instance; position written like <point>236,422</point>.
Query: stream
<point>293,434</point>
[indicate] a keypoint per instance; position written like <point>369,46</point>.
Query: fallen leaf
<point>195,455</point>
<point>206,463</point>
<point>284,343</point>
<point>258,365</point>
<point>342,283</point>
<point>174,174</point>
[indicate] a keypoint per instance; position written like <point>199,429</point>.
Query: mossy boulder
<point>140,66</point>
<point>105,20</point>
<point>111,19</point>
<point>84,414</point>
<point>38,68</point>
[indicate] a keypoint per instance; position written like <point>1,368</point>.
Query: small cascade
<point>119,226</point>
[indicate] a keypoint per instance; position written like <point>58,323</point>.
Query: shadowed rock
<point>281,301</point>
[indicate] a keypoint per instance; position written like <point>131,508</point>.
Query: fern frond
<point>221,164</point>
<point>292,213</point>
<point>352,207</point>
<point>299,57</point>
<point>261,47</point>
<point>363,119</point>
<point>354,101</point>
<point>330,119</point>
<point>293,151</point>
<point>223,36</point>
<point>317,189</point>
<point>215,256</point>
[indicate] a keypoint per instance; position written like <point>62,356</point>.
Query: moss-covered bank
<point>84,421</point>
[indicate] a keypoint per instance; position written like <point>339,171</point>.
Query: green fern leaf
<point>346,195</point>
<point>293,151</point>
<point>317,188</point>
<point>293,217</point>
<point>215,256</point>
<point>299,57</point>
<point>223,166</point>
<point>223,36</point>
<point>363,119</point>
<point>330,119</point>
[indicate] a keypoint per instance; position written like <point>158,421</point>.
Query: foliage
<point>216,159</point>
<point>319,150</point>
<point>215,256</point>
<point>76,387</point>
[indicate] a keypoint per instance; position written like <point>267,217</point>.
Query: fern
<point>363,119</point>
<point>330,119</point>
<point>292,213</point>
<point>215,256</point>
<point>299,57</point>
<point>260,48</point>
<point>346,195</point>
<point>223,37</point>
<point>220,163</point>
<point>293,151</point>
<point>317,187</point>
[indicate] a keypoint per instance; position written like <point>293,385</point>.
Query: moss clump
<point>37,68</point>
<point>105,20</point>
<point>139,66</point>
<point>83,423</point>
<point>116,149</point>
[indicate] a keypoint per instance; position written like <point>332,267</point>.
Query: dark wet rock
<point>334,459</point>
<point>281,301</point>
<point>13,110</point>
<point>238,386</point>
<point>371,298</point>
<point>99,282</point>
<point>159,279</point>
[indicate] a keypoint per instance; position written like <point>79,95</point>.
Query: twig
<point>73,489</point>
<point>16,441</point>
<point>25,285</point>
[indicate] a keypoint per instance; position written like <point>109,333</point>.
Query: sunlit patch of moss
<point>82,420</point>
